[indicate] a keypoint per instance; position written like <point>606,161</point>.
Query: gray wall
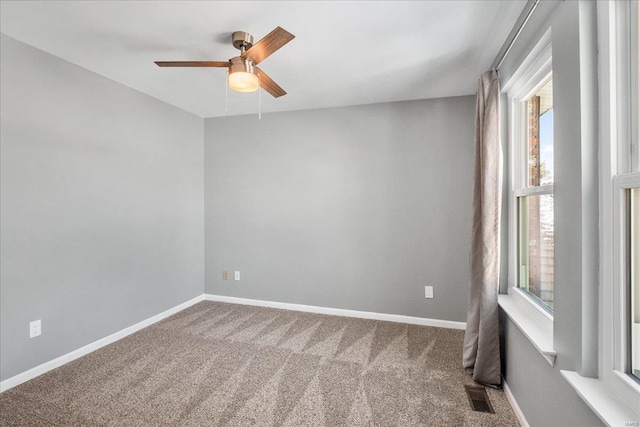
<point>541,391</point>
<point>543,395</point>
<point>355,208</point>
<point>102,207</point>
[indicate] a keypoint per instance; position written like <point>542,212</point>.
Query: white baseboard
<point>59,361</point>
<point>82,351</point>
<point>340,312</point>
<point>512,401</point>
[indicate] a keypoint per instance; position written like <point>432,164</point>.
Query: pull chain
<point>226,95</point>
<point>259,104</point>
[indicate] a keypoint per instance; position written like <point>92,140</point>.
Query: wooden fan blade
<point>269,85</point>
<point>268,44</point>
<point>192,63</point>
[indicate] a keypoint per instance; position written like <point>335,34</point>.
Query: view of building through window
<point>535,212</point>
<point>540,136</point>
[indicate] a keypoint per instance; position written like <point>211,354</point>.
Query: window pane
<point>535,247</point>
<point>540,136</point>
<point>635,281</point>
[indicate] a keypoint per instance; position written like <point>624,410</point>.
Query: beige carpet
<point>217,364</point>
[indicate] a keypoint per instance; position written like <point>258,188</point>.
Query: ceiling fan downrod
<point>242,40</point>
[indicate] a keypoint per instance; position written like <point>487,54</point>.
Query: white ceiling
<point>344,53</point>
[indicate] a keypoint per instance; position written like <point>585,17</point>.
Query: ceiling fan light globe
<point>241,81</point>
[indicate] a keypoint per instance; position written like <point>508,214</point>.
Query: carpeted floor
<point>217,364</point>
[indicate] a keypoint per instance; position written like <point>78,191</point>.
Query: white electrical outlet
<point>236,275</point>
<point>428,291</point>
<point>35,328</point>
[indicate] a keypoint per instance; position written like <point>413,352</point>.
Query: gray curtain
<point>481,352</point>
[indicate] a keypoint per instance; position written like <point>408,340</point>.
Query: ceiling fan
<point>244,75</point>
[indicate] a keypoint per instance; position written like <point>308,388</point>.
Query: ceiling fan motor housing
<point>242,40</point>
<point>239,64</point>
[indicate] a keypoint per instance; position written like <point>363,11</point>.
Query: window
<point>626,232</point>
<point>624,281</point>
<point>619,362</point>
<point>634,203</point>
<point>634,276</point>
<point>534,195</point>
<point>530,298</point>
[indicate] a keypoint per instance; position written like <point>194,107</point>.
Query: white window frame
<point>531,318</point>
<point>619,171</point>
<point>633,67</point>
<point>519,161</point>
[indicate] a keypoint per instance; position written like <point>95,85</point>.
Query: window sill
<point>602,400</point>
<point>534,324</point>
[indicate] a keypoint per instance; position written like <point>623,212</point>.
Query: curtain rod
<point>515,32</point>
